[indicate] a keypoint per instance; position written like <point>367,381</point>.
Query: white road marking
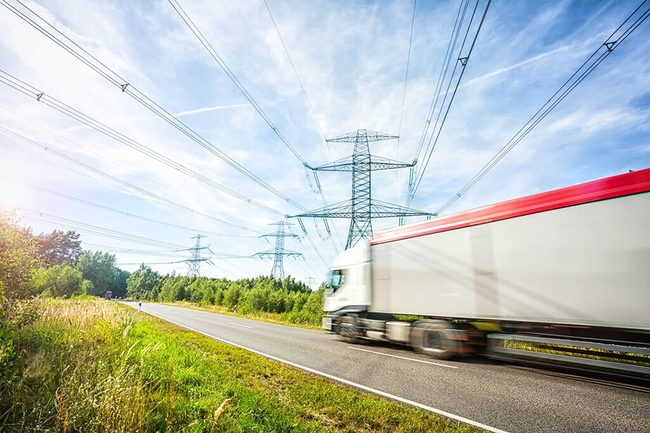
<point>344,381</point>
<point>402,357</point>
<point>237,324</point>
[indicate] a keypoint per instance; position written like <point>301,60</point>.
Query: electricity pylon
<point>361,209</point>
<point>278,253</point>
<point>194,262</point>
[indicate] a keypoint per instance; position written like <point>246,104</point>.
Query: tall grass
<point>98,366</point>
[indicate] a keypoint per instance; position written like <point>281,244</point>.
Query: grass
<point>96,366</point>
<point>277,318</point>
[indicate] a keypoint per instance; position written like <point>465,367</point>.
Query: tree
<point>59,248</point>
<point>18,257</point>
<point>118,287</point>
<point>99,268</point>
<point>144,284</point>
<point>59,280</point>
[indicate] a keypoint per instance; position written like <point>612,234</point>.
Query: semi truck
<point>568,267</point>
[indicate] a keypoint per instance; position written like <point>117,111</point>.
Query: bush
<point>59,281</point>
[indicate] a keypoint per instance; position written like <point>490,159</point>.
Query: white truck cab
<point>348,285</point>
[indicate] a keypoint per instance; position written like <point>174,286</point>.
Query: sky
<point>316,70</point>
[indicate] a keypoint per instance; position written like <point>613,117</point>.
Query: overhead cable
<point>117,211</point>
<point>463,59</point>
<point>596,58</point>
<point>98,231</point>
<point>33,19</point>
<point>217,58</point>
<point>125,184</point>
<point>52,102</point>
<point>406,79</point>
<point>318,188</point>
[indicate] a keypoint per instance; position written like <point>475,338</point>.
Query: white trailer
<point>571,263</point>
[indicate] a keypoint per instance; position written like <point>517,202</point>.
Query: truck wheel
<point>432,338</point>
<point>348,330</point>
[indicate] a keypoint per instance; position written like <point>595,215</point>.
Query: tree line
<point>54,264</point>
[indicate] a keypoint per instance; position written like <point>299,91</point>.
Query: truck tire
<point>348,329</point>
<point>432,337</point>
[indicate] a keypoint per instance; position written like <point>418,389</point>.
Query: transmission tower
<point>361,209</point>
<point>278,253</point>
<point>194,262</point>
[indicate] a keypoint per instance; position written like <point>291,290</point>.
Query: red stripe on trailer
<point>602,189</point>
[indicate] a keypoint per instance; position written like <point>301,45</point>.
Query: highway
<point>495,396</point>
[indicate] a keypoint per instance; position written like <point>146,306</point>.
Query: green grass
<point>287,319</point>
<point>96,366</point>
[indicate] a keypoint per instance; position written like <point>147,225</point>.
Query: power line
<point>406,78</point>
<point>463,59</point>
<point>96,230</point>
<point>149,263</point>
<point>311,108</point>
<point>98,155</point>
<point>319,189</point>
<point>113,178</point>
<point>610,44</point>
<point>112,249</point>
<point>127,88</point>
<point>453,39</point>
<point>15,83</point>
<point>130,90</point>
<point>128,214</point>
<point>217,58</point>
<point>145,192</point>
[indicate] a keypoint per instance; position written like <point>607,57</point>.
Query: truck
<point>568,267</point>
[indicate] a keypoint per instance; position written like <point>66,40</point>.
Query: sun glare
<point>11,195</point>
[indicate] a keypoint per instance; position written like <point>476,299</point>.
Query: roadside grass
<point>96,366</point>
<point>288,319</point>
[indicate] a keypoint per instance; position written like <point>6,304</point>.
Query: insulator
<point>302,226</point>
<point>315,189</point>
<point>323,238</point>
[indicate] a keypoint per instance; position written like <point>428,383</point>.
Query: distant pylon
<point>278,253</point>
<point>194,262</point>
<point>361,208</point>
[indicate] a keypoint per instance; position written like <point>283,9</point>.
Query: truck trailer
<point>566,267</point>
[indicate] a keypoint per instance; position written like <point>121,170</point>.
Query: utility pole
<point>361,208</point>
<point>278,253</point>
<point>194,262</point>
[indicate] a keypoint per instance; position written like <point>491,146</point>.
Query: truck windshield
<point>335,279</point>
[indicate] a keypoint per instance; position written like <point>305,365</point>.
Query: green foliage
<point>59,248</point>
<point>59,281</point>
<point>95,366</point>
<point>119,284</point>
<point>18,257</point>
<point>144,284</point>
<point>6,335</point>
<point>87,287</point>
<point>289,300</point>
<point>99,268</point>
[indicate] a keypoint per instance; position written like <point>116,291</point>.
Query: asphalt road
<point>495,396</point>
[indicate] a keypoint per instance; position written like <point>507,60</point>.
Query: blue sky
<point>351,58</point>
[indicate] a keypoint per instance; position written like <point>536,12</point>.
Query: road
<point>497,397</point>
